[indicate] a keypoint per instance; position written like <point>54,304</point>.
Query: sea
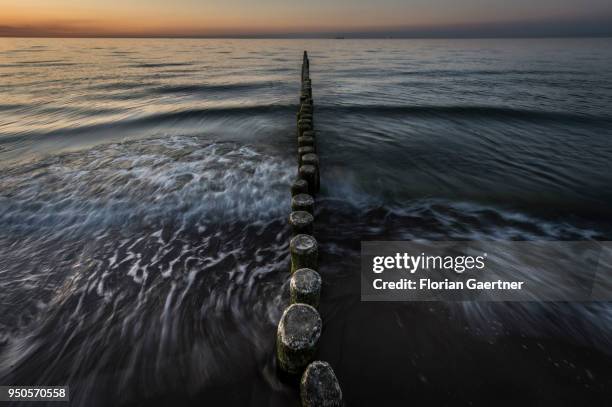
<point>144,201</point>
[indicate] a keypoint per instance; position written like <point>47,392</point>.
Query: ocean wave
<point>140,122</point>
<point>439,219</point>
<point>12,106</point>
<point>209,88</point>
<point>349,217</point>
<point>488,72</point>
<point>160,64</point>
<point>466,111</point>
<point>120,85</point>
<point>375,71</point>
<point>167,253</point>
<point>39,64</point>
<point>153,178</point>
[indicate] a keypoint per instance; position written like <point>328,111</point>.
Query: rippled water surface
<point>144,192</point>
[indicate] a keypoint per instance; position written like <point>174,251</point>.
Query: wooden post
<point>297,337</point>
<point>300,325</point>
<point>301,222</point>
<point>310,174</point>
<point>305,287</point>
<point>299,186</point>
<point>304,141</point>
<point>319,386</point>
<point>303,202</point>
<point>304,150</point>
<point>304,252</point>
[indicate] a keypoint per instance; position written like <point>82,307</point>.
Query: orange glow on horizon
<point>158,19</point>
<point>249,17</point>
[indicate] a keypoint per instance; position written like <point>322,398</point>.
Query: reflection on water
<point>144,196</point>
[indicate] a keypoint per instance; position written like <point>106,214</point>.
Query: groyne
<point>300,326</point>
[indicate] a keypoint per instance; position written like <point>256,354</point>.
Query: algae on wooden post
<point>297,336</point>
<point>301,222</point>
<point>305,287</point>
<point>319,386</point>
<point>302,202</point>
<point>304,252</point>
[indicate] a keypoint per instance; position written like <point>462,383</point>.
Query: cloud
<point>65,28</point>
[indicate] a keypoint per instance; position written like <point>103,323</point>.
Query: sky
<point>308,18</point>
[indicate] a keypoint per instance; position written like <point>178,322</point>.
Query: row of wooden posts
<point>300,326</point>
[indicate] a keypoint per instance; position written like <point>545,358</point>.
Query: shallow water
<point>144,196</point>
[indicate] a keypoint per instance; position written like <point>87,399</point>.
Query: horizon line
<point>306,37</point>
<point>537,28</point>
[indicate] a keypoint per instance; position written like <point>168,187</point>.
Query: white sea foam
<point>145,240</point>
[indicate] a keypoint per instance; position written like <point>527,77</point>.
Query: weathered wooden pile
<point>300,326</point>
